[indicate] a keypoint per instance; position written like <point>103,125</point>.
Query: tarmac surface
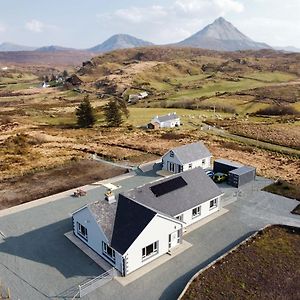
<point>38,262</point>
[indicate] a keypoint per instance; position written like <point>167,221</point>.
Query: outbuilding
<point>187,157</point>
<point>241,176</point>
<point>225,166</point>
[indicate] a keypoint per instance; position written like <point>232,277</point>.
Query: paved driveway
<point>38,262</point>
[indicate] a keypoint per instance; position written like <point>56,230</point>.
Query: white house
<point>187,157</point>
<point>167,121</point>
<point>143,95</point>
<point>146,222</point>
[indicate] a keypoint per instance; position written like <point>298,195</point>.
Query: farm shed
<point>225,166</point>
<point>241,176</point>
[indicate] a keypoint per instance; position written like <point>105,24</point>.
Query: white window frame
<point>203,161</point>
<point>190,165</point>
<point>171,153</point>
<point>82,231</point>
<point>198,212</point>
<point>213,203</point>
<point>105,251</point>
<point>154,252</point>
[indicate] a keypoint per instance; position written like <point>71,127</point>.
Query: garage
<point>225,166</point>
<point>241,176</point>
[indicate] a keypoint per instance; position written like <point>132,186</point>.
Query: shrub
<point>278,110</point>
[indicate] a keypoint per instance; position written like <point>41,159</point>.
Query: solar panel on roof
<point>168,186</point>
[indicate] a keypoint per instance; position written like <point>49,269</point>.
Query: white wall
<point>205,211</point>
<point>157,230</point>
<point>168,124</point>
<point>199,163</point>
<point>167,158</point>
<point>95,235</point>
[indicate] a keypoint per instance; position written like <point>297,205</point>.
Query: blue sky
<point>82,24</point>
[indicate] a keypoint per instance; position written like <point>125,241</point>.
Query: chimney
<point>110,197</point>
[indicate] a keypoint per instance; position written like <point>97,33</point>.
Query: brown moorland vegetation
<point>266,267</point>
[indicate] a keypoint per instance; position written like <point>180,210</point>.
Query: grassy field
<point>250,272</point>
<point>142,116</point>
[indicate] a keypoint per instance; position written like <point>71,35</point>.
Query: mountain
<point>288,49</point>
<point>53,48</point>
<point>223,36</point>
<point>120,41</point>
<point>6,47</point>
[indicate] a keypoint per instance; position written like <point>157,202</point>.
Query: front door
<point>173,239</point>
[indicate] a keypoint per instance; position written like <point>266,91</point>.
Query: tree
<point>65,74</point>
<point>85,114</point>
<point>113,114</point>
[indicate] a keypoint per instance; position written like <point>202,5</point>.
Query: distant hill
<point>120,41</point>
<point>288,49</point>
<point>56,58</point>
<point>6,47</point>
<point>53,48</point>
<point>222,36</point>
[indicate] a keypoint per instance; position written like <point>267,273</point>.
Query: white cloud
<point>38,26</point>
<point>142,14</point>
<point>35,26</point>
<point>207,7</point>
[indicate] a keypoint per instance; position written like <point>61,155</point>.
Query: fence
<point>96,282</point>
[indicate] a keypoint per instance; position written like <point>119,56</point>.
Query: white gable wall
<point>95,235</point>
<point>157,230</point>
<point>205,212</point>
<point>168,124</point>
<point>167,159</point>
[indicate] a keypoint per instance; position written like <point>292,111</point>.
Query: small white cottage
<point>170,120</point>
<point>146,222</point>
<point>187,157</point>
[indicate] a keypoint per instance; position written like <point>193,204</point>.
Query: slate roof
<point>191,152</point>
<point>104,214</point>
<point>199,189</point>
<point>122,221</point>
<point>131,219</point>
<point>168,117</point>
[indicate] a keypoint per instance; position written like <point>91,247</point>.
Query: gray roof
<point>199,188</point>
<point>168,117</point>
<point>104,214</point>
<point>242,170</point>
<point>191,152</point>
<point>121,221</point>
<point>229,162</point>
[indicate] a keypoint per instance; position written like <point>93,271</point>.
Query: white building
<point>170,120</point>
<point>187,157</point>
<point>146,222</point>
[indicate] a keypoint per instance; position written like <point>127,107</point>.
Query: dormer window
<point>171,154</point>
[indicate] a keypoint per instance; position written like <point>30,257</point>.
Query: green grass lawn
<point>271,76</point>
<point>142,116</point>
<point>241,106</point>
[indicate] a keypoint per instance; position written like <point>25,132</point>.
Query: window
<point>108,251</point>
<point>171,154</point>
<point>190,166</point>
<point>150,250</point>
<point>213,203</point>
<point>82,231</point>
<point>203,161</point>
<point>196,211</point>
<point>180,217</point>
